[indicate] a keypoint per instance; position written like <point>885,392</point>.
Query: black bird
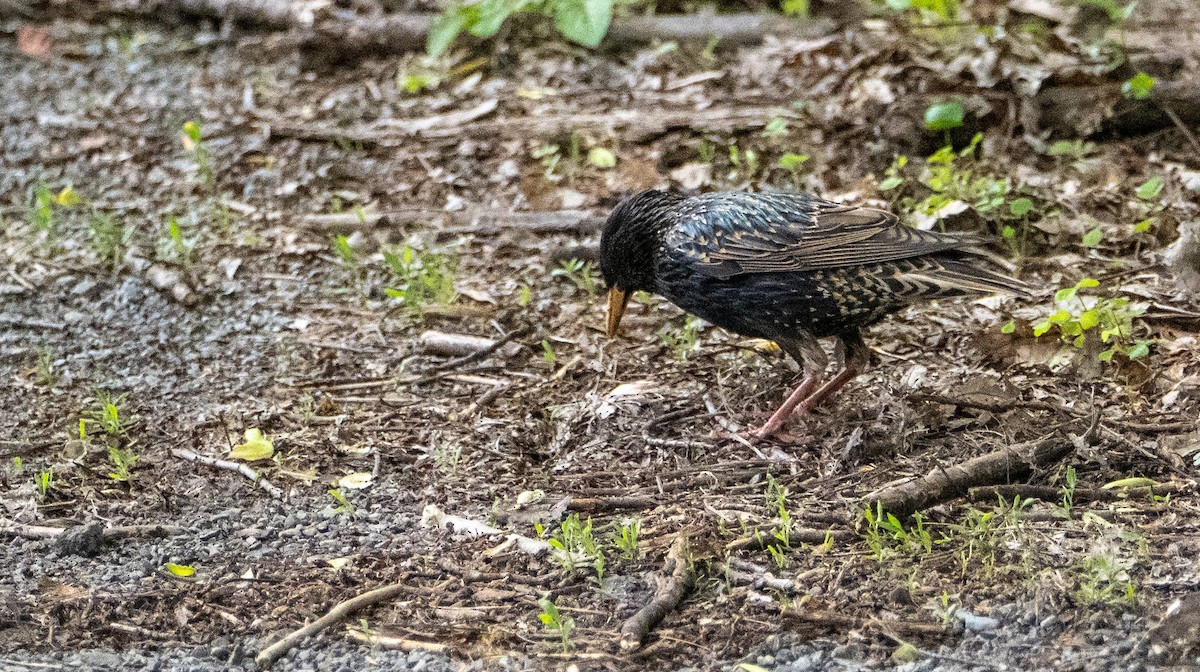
<point>787,267</point>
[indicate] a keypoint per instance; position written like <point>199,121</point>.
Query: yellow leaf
<point>355,481</point>
<point>255,447</point>
<point>67,197</point>
<point>180,570</point>
<point>1135,482</point>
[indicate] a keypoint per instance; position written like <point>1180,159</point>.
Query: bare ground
<point>250,319</point>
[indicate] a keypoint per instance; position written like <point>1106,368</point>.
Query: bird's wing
<point>764,233</point>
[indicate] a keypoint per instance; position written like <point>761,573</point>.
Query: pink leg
<point>857,357</point>
<point>785,411</point>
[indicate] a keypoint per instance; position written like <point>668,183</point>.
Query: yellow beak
<point>617,300</point>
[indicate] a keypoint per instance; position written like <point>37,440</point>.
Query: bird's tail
<point>945,277</point>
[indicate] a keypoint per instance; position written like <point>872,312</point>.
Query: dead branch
<point>466,348</point>
<point>995,468</point>
<point>240,468</point>
<point>269,655</point>
<point>30,323</point>
<point>1083,111</point>
<point>635,125</point>
<point>396,643</point>
<point>994,405</point>
<point>476,221</point>
<point>399,33</point>
<point>267,13</point>
<point>602,504</point>
<point>111,533</point>
<point>478,354</point>
<point>676,580</point>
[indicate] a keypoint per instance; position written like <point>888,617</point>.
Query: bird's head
<point>634,232</point>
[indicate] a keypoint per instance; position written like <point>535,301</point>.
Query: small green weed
<point>1067,503</point>
<point>1072,150</point>
<point>886,537</point>
<point>1103,578</point>
<point>579,273</point>
<point>1146,206</point>
<point>42,214</point>
<point>582,22</point>
<point>44,373</point>
<point>45,483</point>
<point>174,246</point>
<point>683,341</point>
<point>548,353</point>
<point>123,459</point>
<point>193,143</point>
<point>575,543</point>
<point>109,238</point>
<point>1081,316</point>
<point>106,414</point>
<point>555,621</point>
<point>625,538</point>
<point>421,278</point>
<point>344,506</point>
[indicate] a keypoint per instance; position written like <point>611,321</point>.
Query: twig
<point>477,355</point>
<point>482,402</point>
<point>1187,132</point>
<point>269,655</point>
<point>676,580</point>
<point>997,405</point>
<point>111,533</point>
<point>600,504</point>
<point>397,643</point>
<point>240,468</point>
<point>475,220</point>
<point>636,125</point>
<point>136,631</point>
<point>31,323</point>
<point>466,348</point>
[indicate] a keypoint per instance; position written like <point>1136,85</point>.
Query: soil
<point>250,313</point>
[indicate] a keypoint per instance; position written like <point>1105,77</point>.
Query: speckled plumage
<point>787,267</point>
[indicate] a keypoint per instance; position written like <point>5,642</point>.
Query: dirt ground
<point>200,288</point>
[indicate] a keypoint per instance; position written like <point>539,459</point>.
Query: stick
<point>399,643</point>
<point>273,652</point>
<point>478,221</point>
<point>679,577</point>
<point>242,469</point>
<point>638,126</point>
<point>995,468</point>
<point>119,532</point>
<point>600,504</point>
<point>477,355</point>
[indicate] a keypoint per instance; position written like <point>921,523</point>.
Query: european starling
<point>787,267</point>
